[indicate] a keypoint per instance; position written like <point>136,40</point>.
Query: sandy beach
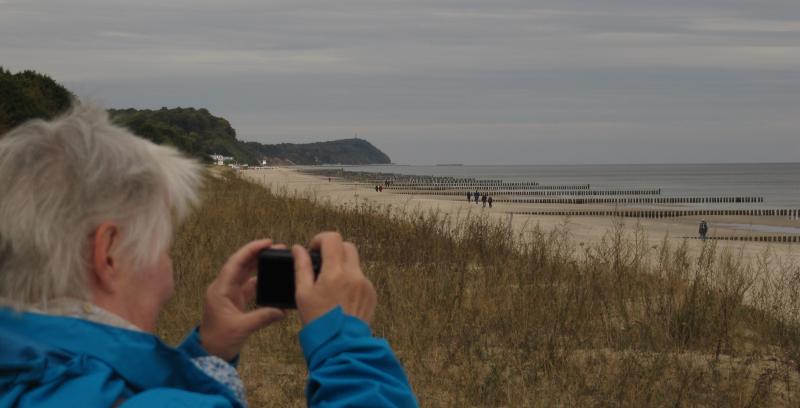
<point>587,229</point>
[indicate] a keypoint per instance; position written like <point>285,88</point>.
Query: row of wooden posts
<point>756,238</point>
<point>531,192</point>
<point>593,199</point>
<point>484,187</point>
<point>792,213</point>
<point>637,200</point>
<point>462,183</point>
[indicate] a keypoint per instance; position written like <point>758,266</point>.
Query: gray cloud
<point>472,81</point>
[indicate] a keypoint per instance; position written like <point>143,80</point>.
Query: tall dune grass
<point>481,317</point>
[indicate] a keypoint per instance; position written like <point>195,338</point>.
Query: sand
<point>589,229</point>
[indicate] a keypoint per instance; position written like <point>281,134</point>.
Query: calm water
<point>778,183</point>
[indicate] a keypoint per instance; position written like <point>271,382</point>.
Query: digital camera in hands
<point>276,277</point>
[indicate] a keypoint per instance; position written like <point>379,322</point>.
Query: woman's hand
<point>226,323</point>
<point>340,282</point>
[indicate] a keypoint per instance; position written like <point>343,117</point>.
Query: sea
<point>778,183</point>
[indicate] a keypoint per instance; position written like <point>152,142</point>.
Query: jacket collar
<point>73,307</point>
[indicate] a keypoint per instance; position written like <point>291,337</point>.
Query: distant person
<point>477,196</point>
<point>329,179</point>
<point>85,269</point>
<point>483,198</point>
<point>490,201</point>
<point>380,189</point>
<point>376,189</point>
<point>703,229</point>
<point>469,197</point>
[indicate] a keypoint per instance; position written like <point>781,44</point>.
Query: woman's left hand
<point>226,323</point>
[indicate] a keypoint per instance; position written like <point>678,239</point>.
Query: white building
<point>220,159</point>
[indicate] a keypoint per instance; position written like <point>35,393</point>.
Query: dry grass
<point>480,317</point>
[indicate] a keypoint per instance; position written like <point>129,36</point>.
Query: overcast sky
<point>470,81</point>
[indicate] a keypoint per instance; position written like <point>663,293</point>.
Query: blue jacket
<point>52,361</point>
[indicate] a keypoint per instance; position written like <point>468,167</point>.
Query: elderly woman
<point>87,212</point>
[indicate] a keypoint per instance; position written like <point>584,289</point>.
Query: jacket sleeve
<point>349,367</point>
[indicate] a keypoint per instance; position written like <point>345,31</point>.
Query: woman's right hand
<point>227,324</point>
<point>340,282</point>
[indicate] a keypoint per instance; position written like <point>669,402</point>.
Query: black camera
<point>276,277</point>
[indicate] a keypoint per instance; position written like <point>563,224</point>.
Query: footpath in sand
<point>588,229</point>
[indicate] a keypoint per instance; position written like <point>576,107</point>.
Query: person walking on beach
<point>490,201</point>
<point>380,189</point>
<point>477,196</point>
<point>483,198</point>
<point>376,189</point>
<point>703,229</point>
<point>469,197</point>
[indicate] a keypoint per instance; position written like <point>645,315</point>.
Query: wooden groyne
<point>788,239</point>
<point>791,213</point>
<point>484,187</point>
<point>513,193</point>
<point>577,196</point>
<point>386,179</point>
<point>464,184</point>
<point>636,200</point>
<point>532,192</point>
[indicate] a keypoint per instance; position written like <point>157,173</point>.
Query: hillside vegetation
<point>345,151</point>
<point>30,95</point>
<point>194,131</point>
<point>199,133</point>
<point>482,317</point>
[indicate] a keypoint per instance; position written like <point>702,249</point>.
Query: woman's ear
<point>104,263</point>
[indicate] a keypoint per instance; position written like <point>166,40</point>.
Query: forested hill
<point>200,133</point>
<point>194,131</point>
<point>345,151</point>
<point>29,95</point>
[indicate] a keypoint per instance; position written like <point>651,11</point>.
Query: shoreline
<point>589,229</point>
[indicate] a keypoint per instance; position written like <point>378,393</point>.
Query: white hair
<point>61,179</point>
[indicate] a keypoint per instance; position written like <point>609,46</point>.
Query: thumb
<point>261,317</point>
